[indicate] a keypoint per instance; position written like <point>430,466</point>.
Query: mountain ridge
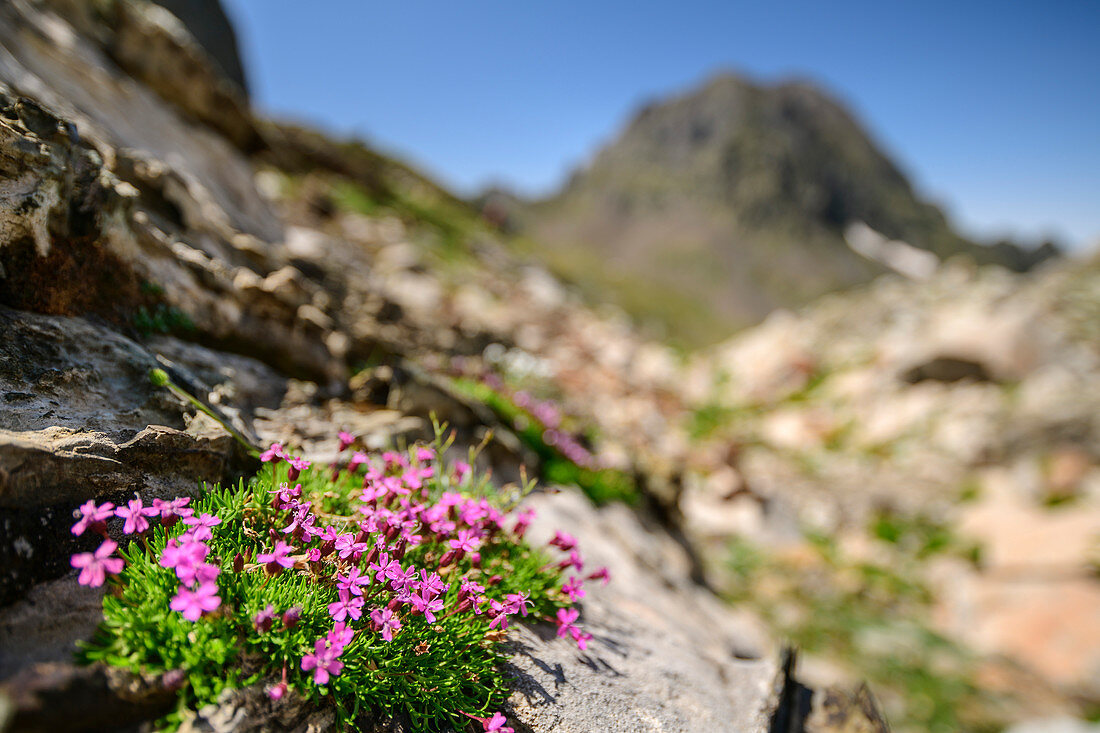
<point>733,198</point>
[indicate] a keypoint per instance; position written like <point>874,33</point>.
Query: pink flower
<point>427,603</point>
<point>297,465</point>
<point>273,454</point>
<point>171,511</point>
<point>301,524</point>
<point>411,480</point>
<point>563,540</point>
<point>197,573</point>
<point>574,560</point>
<point>385,621</point>
<point>347,606</point>
<point>277,559</point>
<point>433,583</point>
<point>323,662</point>
<point>581,637</point>
<point>346,439</point>
<point>517,603</point>
<point>601,574</point>
<point>469,588</point>
<point>184,552</point>
<point>401,578</point>
<point>394,459</point>
<point>498,612</point>
<point>566,619</point>
<point>574,589</point>
<point>193,603</point>
<point>523,521</point>
<point>424,454</point>
<point>381,567</point>
<point>347,546</point>
<point>276,692</point>
<point>497,723</point>
<point>95,566</point>
<point>566,625</point>
<point>94,517</point>
<point>340,636</point>
<point>357,460</point>
<point>135,514</point>
<point>353,582</point>
<point>467,541</point>
<point>451,498</point>
<point>285,495</point>
<point>202,525</point>
<point>461,470</point>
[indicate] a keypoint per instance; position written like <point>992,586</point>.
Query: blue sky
<point>992,108</point>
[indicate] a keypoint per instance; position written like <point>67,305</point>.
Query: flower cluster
<point>321,573</point>
<point>187,555</point>
<point>366,555</point>
<point>96,566</point>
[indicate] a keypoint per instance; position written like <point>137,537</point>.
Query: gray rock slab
<point>666,655</point>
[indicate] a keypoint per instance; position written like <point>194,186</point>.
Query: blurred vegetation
<point>869,617</point>
<point>363,180</point>
<point>161,319</point>
<point>601,485</point>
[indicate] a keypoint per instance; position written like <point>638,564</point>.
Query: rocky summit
<point>880,507</point>
<point>721,204</point>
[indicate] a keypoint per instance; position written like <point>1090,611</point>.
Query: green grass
<point>161,319</point>
<point>446,227</point>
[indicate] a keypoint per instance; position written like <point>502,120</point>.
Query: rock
<point>251,710</point>
<point>44,626</point>
<point>82,421</point>
<point>155,45</point>
<point>207,22</point>
<point>947,369</point>
<point>228,380</point>
<point>53,697</point>
<point>1034,598</point>
<point>666,654</point>
<point>1061,724</point>
<point>835,711</point>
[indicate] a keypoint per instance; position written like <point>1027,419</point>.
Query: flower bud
<point>291,617</point>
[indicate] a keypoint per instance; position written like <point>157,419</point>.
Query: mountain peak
<point>734,197</point>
